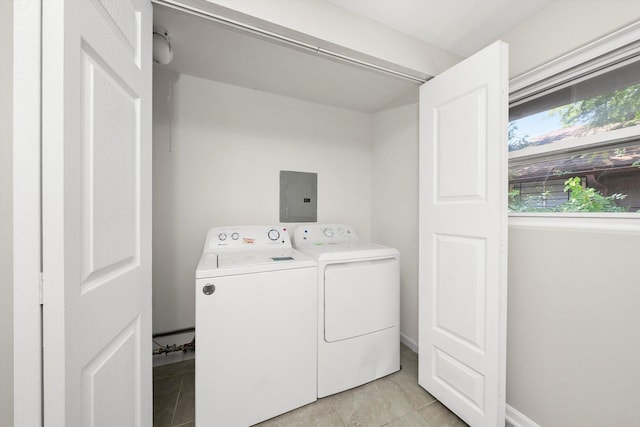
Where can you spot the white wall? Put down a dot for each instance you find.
(574, 335)
(394, 203)
(562, 27)
(221, 167)
(6, 211)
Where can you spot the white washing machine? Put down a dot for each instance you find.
(358, 306)
(256, 326)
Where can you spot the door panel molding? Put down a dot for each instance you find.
(96, 204)
(463, 237)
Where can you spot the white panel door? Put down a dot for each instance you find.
(97, 212)
(463, 236)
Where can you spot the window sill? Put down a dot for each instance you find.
(578, 221)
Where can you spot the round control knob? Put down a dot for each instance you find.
(328, 232)
(222, 236)
(235, 236)
(273, 234)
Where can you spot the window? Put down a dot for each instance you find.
(574, 139)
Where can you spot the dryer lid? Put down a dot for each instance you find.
(348, 250)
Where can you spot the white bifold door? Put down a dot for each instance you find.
(463, 236)
(96, 136)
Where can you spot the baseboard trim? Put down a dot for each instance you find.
(516, 418)
(409, 342)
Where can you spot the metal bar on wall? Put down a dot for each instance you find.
(177, 5)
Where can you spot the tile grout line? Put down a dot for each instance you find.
(175, 407)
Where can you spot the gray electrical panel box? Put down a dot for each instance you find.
(298, 196)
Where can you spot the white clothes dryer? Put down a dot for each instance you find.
(358, 306)
(256, 326)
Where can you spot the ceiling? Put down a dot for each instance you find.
(459, 26)
(213, 51)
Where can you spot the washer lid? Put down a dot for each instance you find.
(251, 261)
(245, 258)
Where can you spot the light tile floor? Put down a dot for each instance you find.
(395, 401)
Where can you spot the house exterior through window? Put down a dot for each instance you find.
(574, 140)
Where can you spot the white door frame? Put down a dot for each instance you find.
(26, 398)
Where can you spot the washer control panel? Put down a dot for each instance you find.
(247, 236)
(322, 234)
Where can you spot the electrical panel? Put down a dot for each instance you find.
(298, 196)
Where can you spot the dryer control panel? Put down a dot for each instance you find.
(247, 236)
(323, 234)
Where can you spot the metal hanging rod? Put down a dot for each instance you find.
(177, 5)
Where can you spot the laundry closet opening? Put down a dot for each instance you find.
(230, 111)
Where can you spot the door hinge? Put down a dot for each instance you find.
(41, 288)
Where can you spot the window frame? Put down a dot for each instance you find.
(584, 63)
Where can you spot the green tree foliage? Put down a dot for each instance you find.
(581, 199)
(587, 199)
(616, 109)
